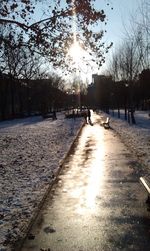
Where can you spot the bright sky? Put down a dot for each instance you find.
(118, 19)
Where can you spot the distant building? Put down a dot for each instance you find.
(99, 91)
(101, 79)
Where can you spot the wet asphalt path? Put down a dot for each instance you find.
(97, 203)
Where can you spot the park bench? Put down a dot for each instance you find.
(106, 123)
(49, 115)
(146, 185)
(74, 114)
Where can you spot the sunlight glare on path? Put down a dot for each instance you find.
(94, 167)
(96, 177)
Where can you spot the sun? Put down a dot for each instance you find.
(80, 61)
(76, 52)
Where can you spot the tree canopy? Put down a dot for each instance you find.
(47, 27)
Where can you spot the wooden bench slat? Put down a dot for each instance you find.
(146, 186)
(106, 123)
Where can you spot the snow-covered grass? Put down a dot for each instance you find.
(30, 153)
(136, 137)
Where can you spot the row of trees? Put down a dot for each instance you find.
(24, 97)
(27, 46)
(105, 93)
(130, 62)
(133, 54)
(35, 34)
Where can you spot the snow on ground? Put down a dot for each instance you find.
(136, 137)
(30, 153)
(31, 150)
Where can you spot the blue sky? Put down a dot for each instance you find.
(118, 17)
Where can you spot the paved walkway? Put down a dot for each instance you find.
(98, 203)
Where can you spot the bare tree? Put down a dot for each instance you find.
(144, 31)
(139, 30)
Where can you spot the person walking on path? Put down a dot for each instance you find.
(89, 116)
(85, 116)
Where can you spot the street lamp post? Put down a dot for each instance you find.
(129, 102)
(73, 98)
(126, 102)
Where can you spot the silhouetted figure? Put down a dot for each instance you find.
(89, 116)
(54, 115)
(85, 116)
(73, 114)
